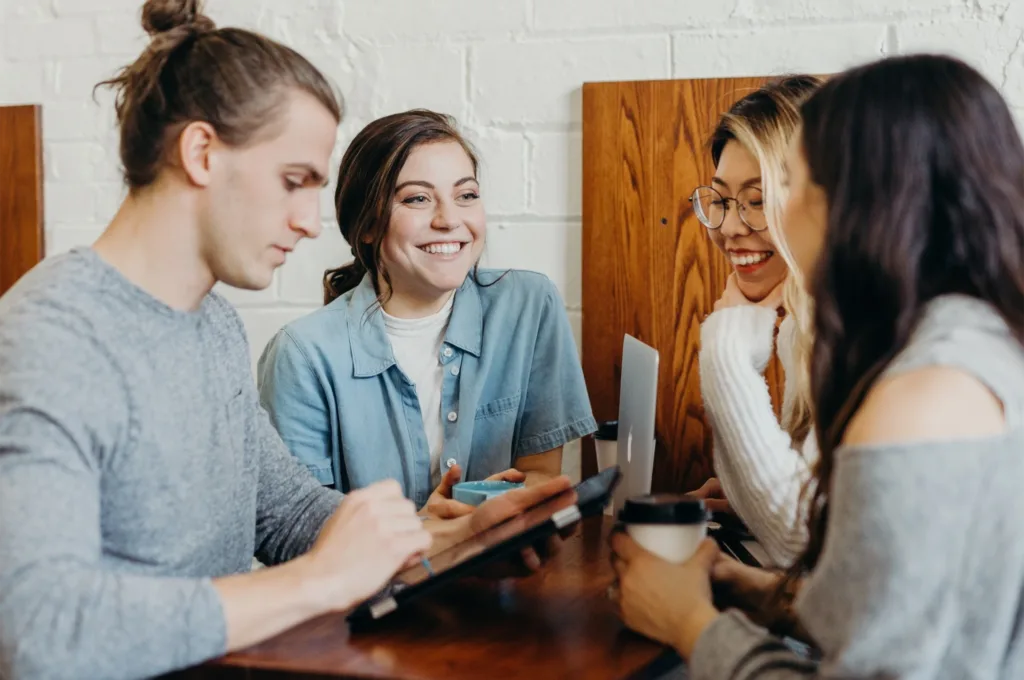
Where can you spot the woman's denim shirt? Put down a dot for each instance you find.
(513, 386)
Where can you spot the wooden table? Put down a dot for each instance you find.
(557, 623)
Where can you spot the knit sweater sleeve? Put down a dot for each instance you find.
(760, 469)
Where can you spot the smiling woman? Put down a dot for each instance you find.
(732, 209)
(761, 463)
(422, 367)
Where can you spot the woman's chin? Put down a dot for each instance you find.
(759, 284)
(446, 282)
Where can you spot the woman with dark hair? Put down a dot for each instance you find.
(906, 218)
(422, 367)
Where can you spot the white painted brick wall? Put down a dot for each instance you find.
(503, 162)
(530, 81)
(427, 75)
(35, 40)
(821, 49)
(510, 70)
(556, 173)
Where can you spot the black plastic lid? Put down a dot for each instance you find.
(664, 509)
(609, 429)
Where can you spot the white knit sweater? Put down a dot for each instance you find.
(760, 470)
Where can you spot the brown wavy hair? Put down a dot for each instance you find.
(366, 184)
(233, 79)
(923, 170)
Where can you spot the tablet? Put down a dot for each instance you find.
(735, 539)
(463, 559)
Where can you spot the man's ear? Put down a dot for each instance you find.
(196, 145)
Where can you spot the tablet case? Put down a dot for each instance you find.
(592, 496)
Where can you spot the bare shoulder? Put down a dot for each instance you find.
(932, 403)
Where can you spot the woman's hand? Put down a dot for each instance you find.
(507, 506)
(441, 505)
(741, 585)
(713, 496)
(667, 602)
(756, 592)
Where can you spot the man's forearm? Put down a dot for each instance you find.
(266, 602)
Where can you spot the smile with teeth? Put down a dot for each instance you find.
(449, 248)
(747, 259)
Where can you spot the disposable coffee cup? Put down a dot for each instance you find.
(669, 525)
(606, 444)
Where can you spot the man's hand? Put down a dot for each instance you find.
(372, 534)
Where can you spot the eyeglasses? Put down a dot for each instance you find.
(711, 207)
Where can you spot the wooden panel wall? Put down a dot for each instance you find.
(21, 192)
(649, 268)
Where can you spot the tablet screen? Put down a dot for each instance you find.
(590, 491)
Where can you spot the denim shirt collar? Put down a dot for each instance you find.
(368, 339)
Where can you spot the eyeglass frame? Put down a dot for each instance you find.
(725, 213)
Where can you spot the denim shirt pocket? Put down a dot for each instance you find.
(498, 407)
(493, 431)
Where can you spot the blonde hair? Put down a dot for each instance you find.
(764, 122)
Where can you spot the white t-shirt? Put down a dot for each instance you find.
(417, 347)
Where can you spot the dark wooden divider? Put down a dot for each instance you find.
(21, 192)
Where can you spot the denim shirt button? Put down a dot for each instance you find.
(447, 352)
(455, 370)
(452, 416)
(450, 463)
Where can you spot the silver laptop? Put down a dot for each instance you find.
(638, 398)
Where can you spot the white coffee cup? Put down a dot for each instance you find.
(669, 525)
(606, 444)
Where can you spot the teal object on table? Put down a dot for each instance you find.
(475, 493)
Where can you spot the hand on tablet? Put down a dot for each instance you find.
(512, 503)
(495, 511)
(441, 505)
(372, 534)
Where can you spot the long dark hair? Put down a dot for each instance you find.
(366, 184)
(923, 170)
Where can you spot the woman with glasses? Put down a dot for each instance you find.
(761, 465)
